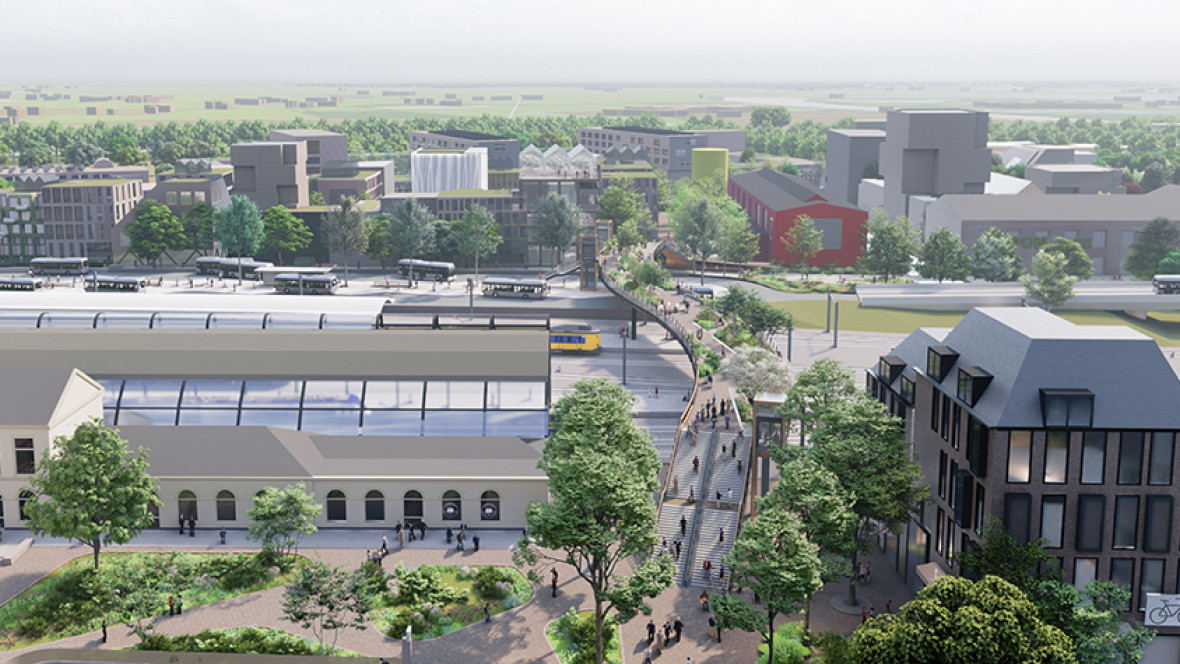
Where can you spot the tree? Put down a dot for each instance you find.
(1077, 263)
(1154, 176)
(283, 231)
(412, 231)
(1157, 239)
(994, 257)
(891, 245)
(1170, 264)
(1049, 283)
(602, 473)
(154, 231)
(380, 246)
(752, 370)
(773, 116)
(325, 599)
(83, 153)
(33, 155)
(127, 155)
(198, 227)
(93, 488)
(774, 558)
(315, 198)
(748, 155)
(649, 274)
(628, 235)
(347, 229)
(281, 517)
(697, 227)
(737, 243)
(803, 239)
(790, 168)
(956, 620)
(816, 390)
(944, 256)
(239, 229)
(477, 233)
(1000, 554)
(558, 222)
(619, 204)
(859, 441)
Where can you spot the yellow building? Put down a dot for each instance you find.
(707, 162)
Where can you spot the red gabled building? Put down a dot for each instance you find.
(774, 200)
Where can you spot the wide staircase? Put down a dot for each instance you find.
(725, 474)
(708, 544)
(669, 531)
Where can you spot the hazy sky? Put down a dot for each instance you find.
(488, 41)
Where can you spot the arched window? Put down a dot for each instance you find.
(25, 496)
(187, 501)
(337, 509)
(412, 505)
(489, 506)
(452, 506)
(374, 506)
(226, 510)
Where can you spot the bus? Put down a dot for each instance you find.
(21, 283)
(523, 288)
(437, 271)
(97, 282)
(307, 284)
(578, 338)
(229, 268)
(1166, 284)
(211, 265)
(59, 266)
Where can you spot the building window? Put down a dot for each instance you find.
(1093, 457)
(26, 456)
(1091, 511)
(907, 390)
(1157, 524)
(489, 506)
(1019, 456)
(374, 506)
(939, 360)
(1017, 509)
(1131, 457)
(1056, 457)
(1122, 572)
(22, 499)
(973, 381)
(934, 402)
(412, 505)
(337, 506)
(1098, 240)
(955, 426)
(1052, 520)
(1152, 580)
(187, 504)
(977, 445)
(452, 506)
(980, 504)
(1085, 570)
(1126, 522)
(1159, 466)
(1127, 238)
(941, 474)
(938, 531)
(1067, 408)
(946, 417)
(226, 508)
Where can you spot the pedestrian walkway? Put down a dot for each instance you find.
(709, 546)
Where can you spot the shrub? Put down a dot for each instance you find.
(423, 585)
(836, 648)
(248, 640)
(512, 601)
(76, 599)
(492, 583)
(578, 629)
(787, 648)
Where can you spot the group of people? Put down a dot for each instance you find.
(674, 548)
(716, 580)
(400, 532)
(460, 537)
(660, 638)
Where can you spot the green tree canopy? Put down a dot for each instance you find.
(93, 488)
(751, 370)
(890, 245)
(697, 227)
(649, 274)
(602, 473)
(1170, 264)
(239, 228)
(83, 153)
(33, 155)
(326, 599)
(817, 389)
(803, 240)
(738, 243)
(154, 231)
(1049, 283)
(283, 231)
(281, 517)
(198, 227)
(1077, 263)
(1156, 240)
(944, 256)
(477, 234)
(773, 116)
(620, 203)
(558, 222)
(412, 230)
(994, 257)
(347, 230)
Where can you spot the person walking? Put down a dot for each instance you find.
(678, 544)
(192, 527)
(707, 566)
(487, 613)
(696, 464)
(422, 529)
(459, 540)
(647, 655)
(721, 536)
(104, 631)
(179, 605)
(222, 534)
(713, 628)
(733, 449)
(683, 525)
(723, 450)
(384, 546)
(171, 606)
(864, 615)
(676, 486)
(727, 423)
(182, 525)
(475, 541)
(553, 582)
(651, 631)
(889, 606)
(691, 496)
(401, 535)
(739, 464)
(678, 627)
(868, 572)
(729, 497)
(667, 633)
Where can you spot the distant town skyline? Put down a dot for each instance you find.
(542, 41)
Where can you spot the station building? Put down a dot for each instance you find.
(444, 426)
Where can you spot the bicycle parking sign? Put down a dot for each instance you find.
(1162, 610)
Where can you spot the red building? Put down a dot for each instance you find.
(774, 200)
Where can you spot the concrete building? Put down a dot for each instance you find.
(852, 155)
(271, 172)
(503, 153)
(445, 169)
(322, 146)
(508, 208)
(88, 217)
(932, 153)
(774, 200)
(32, 179)
(1014, 153)
(181, 194)
(22, 228)
(1061, 431)
(669, 150)
(733, 140)
(641, 176)
(1076, 179)
(1104, 225)
(353, 178)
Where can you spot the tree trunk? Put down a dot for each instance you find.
(477, 266)
(97, 544)
(770, 640)
(806, 635)
(852, 579)
(346, 269)
(598, 620)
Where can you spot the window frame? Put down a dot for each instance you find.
(1028, 463)
(1121, 503)
(1086, 439)
(332, 501)
(1055, 435)
(1171, 458)
(1059, 499)
(1124, 438)
(29, 453)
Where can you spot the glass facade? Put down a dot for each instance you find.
(335, 407)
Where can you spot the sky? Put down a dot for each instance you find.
(564, 41)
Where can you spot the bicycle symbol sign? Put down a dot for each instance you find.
(1162, 610)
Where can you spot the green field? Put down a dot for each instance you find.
(1164, 327)
(819, 103)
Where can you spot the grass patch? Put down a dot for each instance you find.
(791, 286)
(242, 640)
(572, 639)
(439, 599)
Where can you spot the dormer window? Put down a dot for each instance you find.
(889, 368)
(1067, 408)
(972, 382)
(939, 360)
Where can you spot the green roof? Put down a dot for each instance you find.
(625, 167)
(187, 180)
(91, 183)
(362, 175)
(506, 170)
(633, 176)
(443, 150)
(476, 193)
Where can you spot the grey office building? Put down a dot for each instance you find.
(271, 172)
(1076, 179)
(852, 154)
(931, 153)
(322, 146)
(503, 153)
(667, 149)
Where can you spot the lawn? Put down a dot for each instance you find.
(1164, 327)
(439, 599)
(75, 599)
(572, 639)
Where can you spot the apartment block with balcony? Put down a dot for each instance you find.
(22, 229)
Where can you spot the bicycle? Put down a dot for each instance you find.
(1161, 614)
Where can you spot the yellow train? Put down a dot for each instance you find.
(578, 338)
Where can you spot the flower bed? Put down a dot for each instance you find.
(242, 640)
(439, 599)
(572, 638)
(75, 598)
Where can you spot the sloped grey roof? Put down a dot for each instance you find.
(29, 397)
(1073, 207)
(780, 191)
(1027, 349)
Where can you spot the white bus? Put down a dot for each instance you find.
(21, 283)
(211, 265)
(438, 271)
(306, 284)
(96, 282)
(59, 266)
(1166, 284)
(525, 289)
(229, 268)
